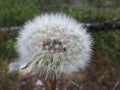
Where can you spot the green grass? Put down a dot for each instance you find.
(108, 43)
(7, 45)
(16, 13)
(8, 81)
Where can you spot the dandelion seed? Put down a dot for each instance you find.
(54, 45)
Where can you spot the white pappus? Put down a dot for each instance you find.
(54, 45)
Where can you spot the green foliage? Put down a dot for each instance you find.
(16, 12)
(109, 44)
(49, 5)
(100, 3)
(87, 14)
(7, 44)
(8, 81)
(10, 45)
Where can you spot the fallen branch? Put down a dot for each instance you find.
(116, 85)
(102, 77)
(107, 25)
(10, 28)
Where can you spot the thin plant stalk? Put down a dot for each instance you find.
(53, 84)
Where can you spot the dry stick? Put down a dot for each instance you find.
(107, 25)
(98, 26)
(74, 83)
(102, 77)
(116, 85)
(78, 87)
(10, 28)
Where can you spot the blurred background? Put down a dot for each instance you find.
(104, 71)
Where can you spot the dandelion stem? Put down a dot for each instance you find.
(53, 84)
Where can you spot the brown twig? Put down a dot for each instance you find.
(116, 85)
(102, 77)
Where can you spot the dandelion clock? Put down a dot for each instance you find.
(53, 45)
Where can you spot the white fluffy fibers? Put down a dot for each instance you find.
(54, 45)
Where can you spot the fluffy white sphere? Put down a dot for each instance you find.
(54, 45)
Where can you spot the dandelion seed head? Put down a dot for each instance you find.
(54, 45)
